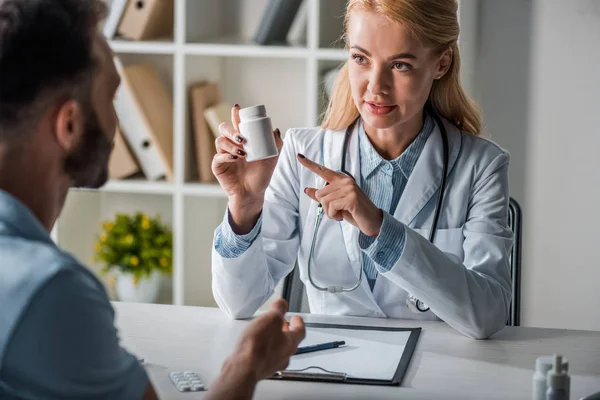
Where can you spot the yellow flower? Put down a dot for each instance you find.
(103, 237)
(129, 239)
(164, 262)
(108, 226)
(98, 247)
(146, 223)
(134, 261)
(136, 281)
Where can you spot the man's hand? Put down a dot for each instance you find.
(264, 348)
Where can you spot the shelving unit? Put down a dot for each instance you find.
(212, 42)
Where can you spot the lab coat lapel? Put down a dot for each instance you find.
(424, 182)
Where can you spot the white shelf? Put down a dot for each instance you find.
(332, 54)
(124, 46)
(204, 190)
(244, 50)
(141, 186)
(212, 190)
(134, 186)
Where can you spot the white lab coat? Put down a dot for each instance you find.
(464, 278)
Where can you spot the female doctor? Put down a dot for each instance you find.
(394, 207)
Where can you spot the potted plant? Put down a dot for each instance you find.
(138, 249)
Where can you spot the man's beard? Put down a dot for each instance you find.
(87, 165)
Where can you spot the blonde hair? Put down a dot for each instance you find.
(435, 24)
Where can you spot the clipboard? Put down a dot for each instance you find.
(318, 374)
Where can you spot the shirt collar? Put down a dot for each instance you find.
(16, 219)
(370, 160)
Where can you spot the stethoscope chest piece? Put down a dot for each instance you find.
(415, 305)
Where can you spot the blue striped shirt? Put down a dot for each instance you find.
(383, 182)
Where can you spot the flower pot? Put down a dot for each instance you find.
(145, 290)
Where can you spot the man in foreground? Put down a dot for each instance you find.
(57, 124)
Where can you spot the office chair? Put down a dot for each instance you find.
(295, 294)
(515, 224)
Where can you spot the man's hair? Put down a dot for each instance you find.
(45, 55)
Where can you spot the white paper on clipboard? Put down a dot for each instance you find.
(367, 354)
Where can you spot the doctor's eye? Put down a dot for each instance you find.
(360, 60)
(402, 67)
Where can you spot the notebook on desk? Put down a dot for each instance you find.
(371, 355)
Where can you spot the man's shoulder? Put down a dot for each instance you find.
(27, 265)
(79, 349)
(29, 268)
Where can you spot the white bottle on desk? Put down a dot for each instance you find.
(557, 382)
(543, 365)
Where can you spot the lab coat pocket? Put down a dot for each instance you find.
(448, 240)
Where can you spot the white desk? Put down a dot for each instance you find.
(445, 364)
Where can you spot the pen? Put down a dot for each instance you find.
(318, 347)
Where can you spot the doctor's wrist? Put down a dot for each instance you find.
(375, 223)
(243, 216)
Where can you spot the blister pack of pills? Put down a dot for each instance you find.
(187, 381)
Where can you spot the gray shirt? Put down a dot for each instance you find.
(57, 333)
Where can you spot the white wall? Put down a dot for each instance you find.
(538, 81)
(563, 167)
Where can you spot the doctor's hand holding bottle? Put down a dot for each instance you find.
(245, 183)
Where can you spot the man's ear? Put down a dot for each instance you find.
(444, 63)
(69, 124)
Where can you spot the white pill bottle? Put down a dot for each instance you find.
(257, 129)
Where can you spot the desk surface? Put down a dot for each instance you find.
(445, 365)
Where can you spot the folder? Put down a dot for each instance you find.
(148, 19)
(371, 356)
(298, 30)
(204, 95)
(117, 8)
(122, 163)
(145, 111)
(216, 115)
(276, 21)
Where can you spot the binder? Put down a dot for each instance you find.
(122, 163)
(111, 24)
(148, 19)
(145, 112)
(204, 95)
(316, 373)
(276, 21)
(298, 30)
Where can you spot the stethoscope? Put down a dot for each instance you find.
(413, 303)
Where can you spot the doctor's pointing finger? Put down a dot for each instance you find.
(342, 199)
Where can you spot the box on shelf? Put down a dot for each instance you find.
(217, 114)
(203, 95)
(148, 20)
